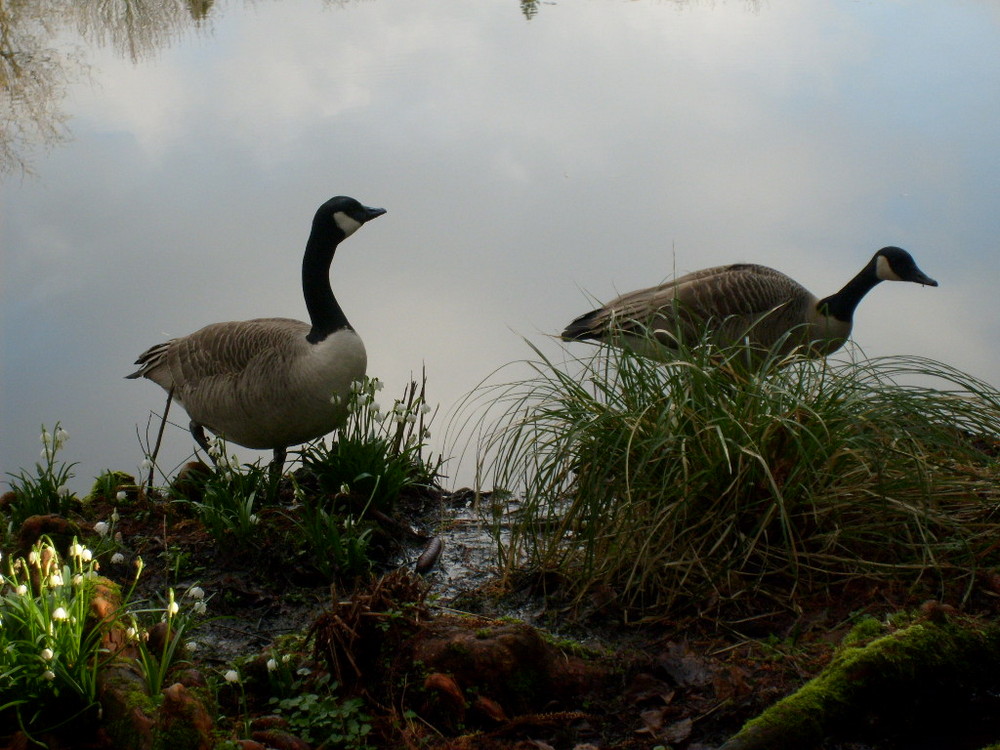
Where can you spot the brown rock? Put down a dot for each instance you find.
(444, 696)
(280, 740)
(126, 706)
(272, 721)
(190, 480)
(508, 662)
(184, 722)
(60, 530)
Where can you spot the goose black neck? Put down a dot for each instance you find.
(843, 304)
(325, 312)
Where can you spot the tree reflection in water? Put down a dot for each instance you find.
(36, 67)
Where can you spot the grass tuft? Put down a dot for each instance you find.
(724, 473)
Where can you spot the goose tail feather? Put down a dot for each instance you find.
(582, 328)
(149, 360)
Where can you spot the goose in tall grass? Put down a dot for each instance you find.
(270, 383)
(741, 302)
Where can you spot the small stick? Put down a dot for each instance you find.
(159, 437)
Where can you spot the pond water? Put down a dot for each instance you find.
(532, 156)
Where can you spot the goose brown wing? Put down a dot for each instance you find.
(217, 351)
(739, 294)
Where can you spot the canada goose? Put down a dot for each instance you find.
(272, 382)
(741, 301)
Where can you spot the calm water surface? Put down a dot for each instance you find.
(531, 156)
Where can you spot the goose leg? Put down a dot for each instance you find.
(278, 463)
(198, 433)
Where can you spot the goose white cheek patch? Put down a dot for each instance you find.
(884, 271)
(347, 225)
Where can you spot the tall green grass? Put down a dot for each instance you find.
(726, 473)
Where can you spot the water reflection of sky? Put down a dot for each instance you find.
(524, 163)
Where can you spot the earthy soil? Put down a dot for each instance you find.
(458, 658)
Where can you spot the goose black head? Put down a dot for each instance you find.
(346, 214)
(895, 264)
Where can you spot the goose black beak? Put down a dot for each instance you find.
(372, 213)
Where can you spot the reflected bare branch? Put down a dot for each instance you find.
(135, 28)
(35, 68)
(32, 82)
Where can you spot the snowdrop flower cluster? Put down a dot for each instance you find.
(366, 416)
(197, 593)
(51, 443)
(227, 463)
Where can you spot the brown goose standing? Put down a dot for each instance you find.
(741, 301)
(270, 383)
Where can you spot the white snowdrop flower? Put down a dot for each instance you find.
(425, 435)
(22, 590)
(357, 386)
(60, 614)
(49, 675)
(131, 633)
(271, 665)
(335, 399)
(78, 580)
(345, 488)
(232, 676)
(146, 465)
(377, 384)
(76, 550)
(200, 608)
(425, 409)
(121, 495)
(46, 438)
(117, 558)
(254, 520)
(86, 555)
(61, 436)
(286, 658)
(47, 654)
(56, 580)
(191, 646)
(33, 557)
(196, 592)
(410, 418)
(173, 608)
(102, 528)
